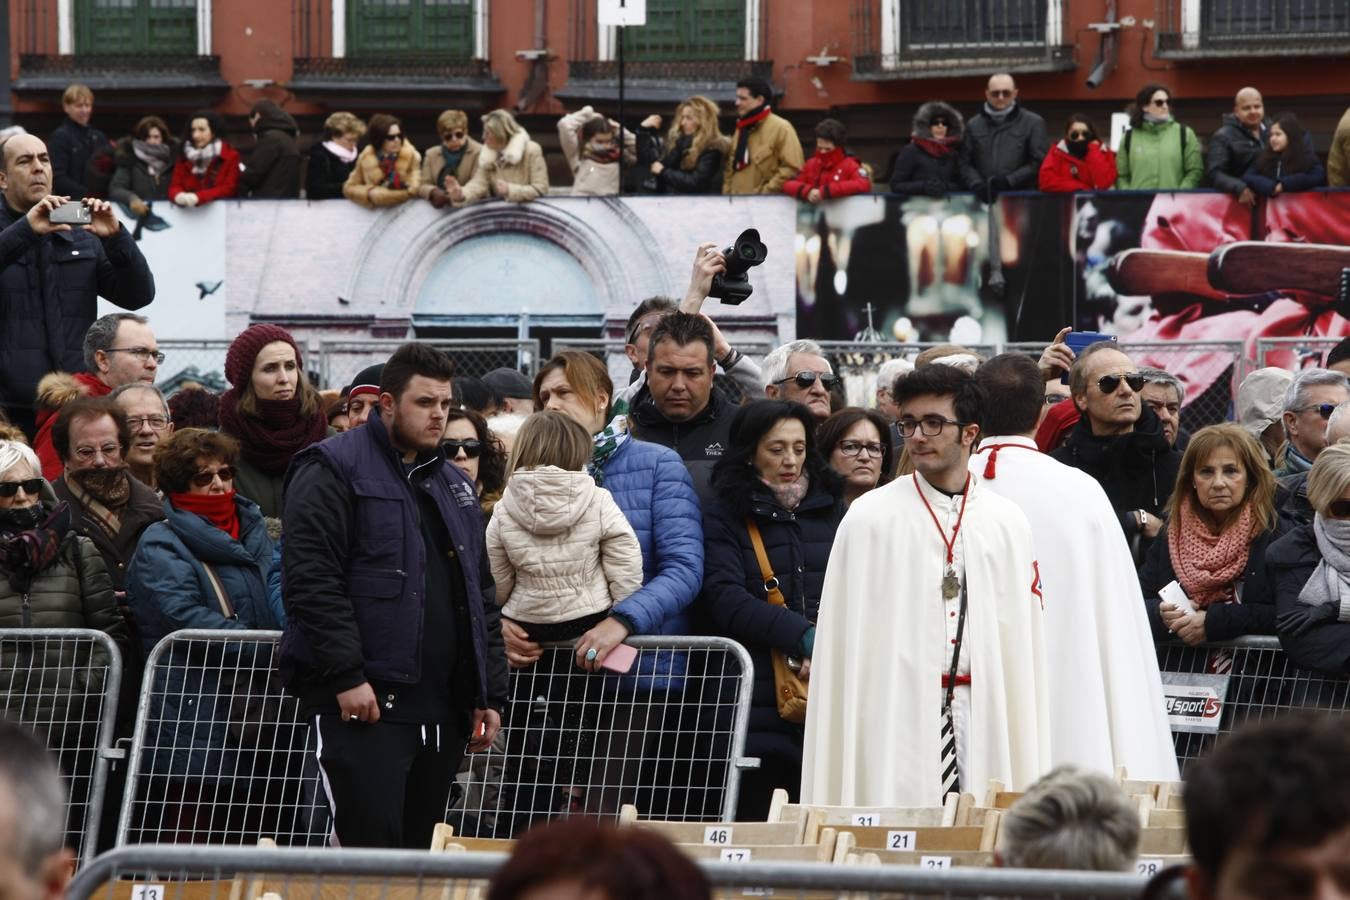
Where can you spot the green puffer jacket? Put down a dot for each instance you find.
(1151, 158)
(47, 682)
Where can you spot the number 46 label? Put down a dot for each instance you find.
(717, 834)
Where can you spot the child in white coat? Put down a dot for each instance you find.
(561, 551)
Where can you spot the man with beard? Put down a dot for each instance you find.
(111, 508)
(393, 640)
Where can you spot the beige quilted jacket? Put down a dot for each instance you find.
(560, 548)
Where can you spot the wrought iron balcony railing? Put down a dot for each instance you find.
(1203, 29)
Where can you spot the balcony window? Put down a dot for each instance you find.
(160, 27)
(689, 29)
(401, 28)
(1215, 28)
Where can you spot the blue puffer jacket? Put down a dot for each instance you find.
(736, 605)
(168, 589)
(651, 484)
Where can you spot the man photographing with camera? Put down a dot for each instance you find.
(54, 266)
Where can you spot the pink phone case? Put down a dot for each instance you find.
(620, 659)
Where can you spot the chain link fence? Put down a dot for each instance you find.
(1294, 353)
(202, 362)
(341, 360)
(220, 754)
(63, 683)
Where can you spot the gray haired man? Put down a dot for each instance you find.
(1308, 403)
(1163, 393)
(34, 861)
(798, 371)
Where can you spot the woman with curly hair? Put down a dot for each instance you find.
(689, 158)
(470, 445)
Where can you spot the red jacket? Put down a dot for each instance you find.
(836, 174)
(54, 392)
(1063, 172)
(221, 179)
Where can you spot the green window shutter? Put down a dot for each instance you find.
(689, 29)
(401, 28)
(150, 27)
(973, 22)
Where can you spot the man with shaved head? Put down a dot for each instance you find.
(1004, 143)
(1233, 147)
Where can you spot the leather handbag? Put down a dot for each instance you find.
(789, 689)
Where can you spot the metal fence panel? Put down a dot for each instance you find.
(178, 873)
(340, 360)
(1294, 353)
(219, 754)
(199, 361)
(63, 683)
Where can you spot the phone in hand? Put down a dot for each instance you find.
(73, 213)
(620, 659)
(1078, 341)
(1174, 594)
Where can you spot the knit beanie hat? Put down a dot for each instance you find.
(244, 351)
(367, 381)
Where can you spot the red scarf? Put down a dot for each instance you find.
(1207, 564)
(218, 509)
(935, 147)
(743, 128)
(389, 167)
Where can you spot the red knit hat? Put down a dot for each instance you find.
(244, 351)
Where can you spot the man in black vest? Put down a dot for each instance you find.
(393, 640)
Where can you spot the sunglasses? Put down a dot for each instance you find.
(1161, 102)
(393, 137)
(29, 485)
(204, 479)
(1052, 399)
(471, 448)
(804, 380)
(1339, 509)
(454, 135)
(943, 122)
(1107, 384)
(1000, 93)
(1079, 135)
(1323, 409)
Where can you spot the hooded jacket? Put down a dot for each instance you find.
(55, 390)
(273, 169)
(1065, 173)
(834, 174)
(520, 164)
(1159, 156)
(365, 185)
(917, 170)
(1012, 150)
(1230, 152)
(560, 548)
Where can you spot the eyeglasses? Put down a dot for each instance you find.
(1159, 102)
(1107, 384)
(1052, 399)
(804, 380)
(471, 448)
(29, 485)
(156, 423)
(855, 448)
(1000, 93)
(89, 454)
(1339, 509)
(1323, 409)
(205, 479)
(1079, 135)
(142, 353)
(931, 426)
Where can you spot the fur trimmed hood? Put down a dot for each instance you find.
(56, 389)
(933, 109)
(511, 156)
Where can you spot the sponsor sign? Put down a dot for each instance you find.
(1194, 703)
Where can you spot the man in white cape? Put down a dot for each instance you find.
(876, 726)
(1104, 683)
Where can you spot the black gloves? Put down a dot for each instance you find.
(1303, 618)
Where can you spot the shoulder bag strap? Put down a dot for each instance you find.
(765, 570)
(217, 588)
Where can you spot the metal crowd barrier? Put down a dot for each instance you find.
(1294, 353)
(63, 683)
(180, 873)
(340, 360)
(220, 756)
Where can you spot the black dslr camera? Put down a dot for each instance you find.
(732, 287)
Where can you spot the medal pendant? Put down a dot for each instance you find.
(951, 586)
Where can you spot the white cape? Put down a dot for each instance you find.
(872, 725)
(1104, 683)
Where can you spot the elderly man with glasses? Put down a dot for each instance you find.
(1005, 143)
(1120, 441)
(1308, 403)
(798, 371)
(149, 423)
(119, 348)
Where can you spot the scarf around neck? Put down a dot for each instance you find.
(389, 167)
(934, 147)
(1156, 120)
(607, 443)
(33, 541)
(157, 157)
(346, 154)
(269, 439)
(999, 115)
(1207, 564)
(103, 493)
(744, 126)
(218, 509)
(1330, 581)
(201, 157)
(789, 496)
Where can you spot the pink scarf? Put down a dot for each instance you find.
(1207, 564)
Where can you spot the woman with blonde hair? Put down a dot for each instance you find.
(1220, 521)
(689, 159)
(331, 162)
(1310, 567)
(510, 166)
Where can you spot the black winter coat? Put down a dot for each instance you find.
(701, 441)
(1290, 562)
(704, 178)
(1013, 151)
(734, 602)
(1137, 470)
(70, 147)
(133, 180)
(326, 174)
(1230, 152)
(1223, 621)
(917, 172)
(273, 168)
(49, 290)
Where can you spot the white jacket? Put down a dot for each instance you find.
(560, 547)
